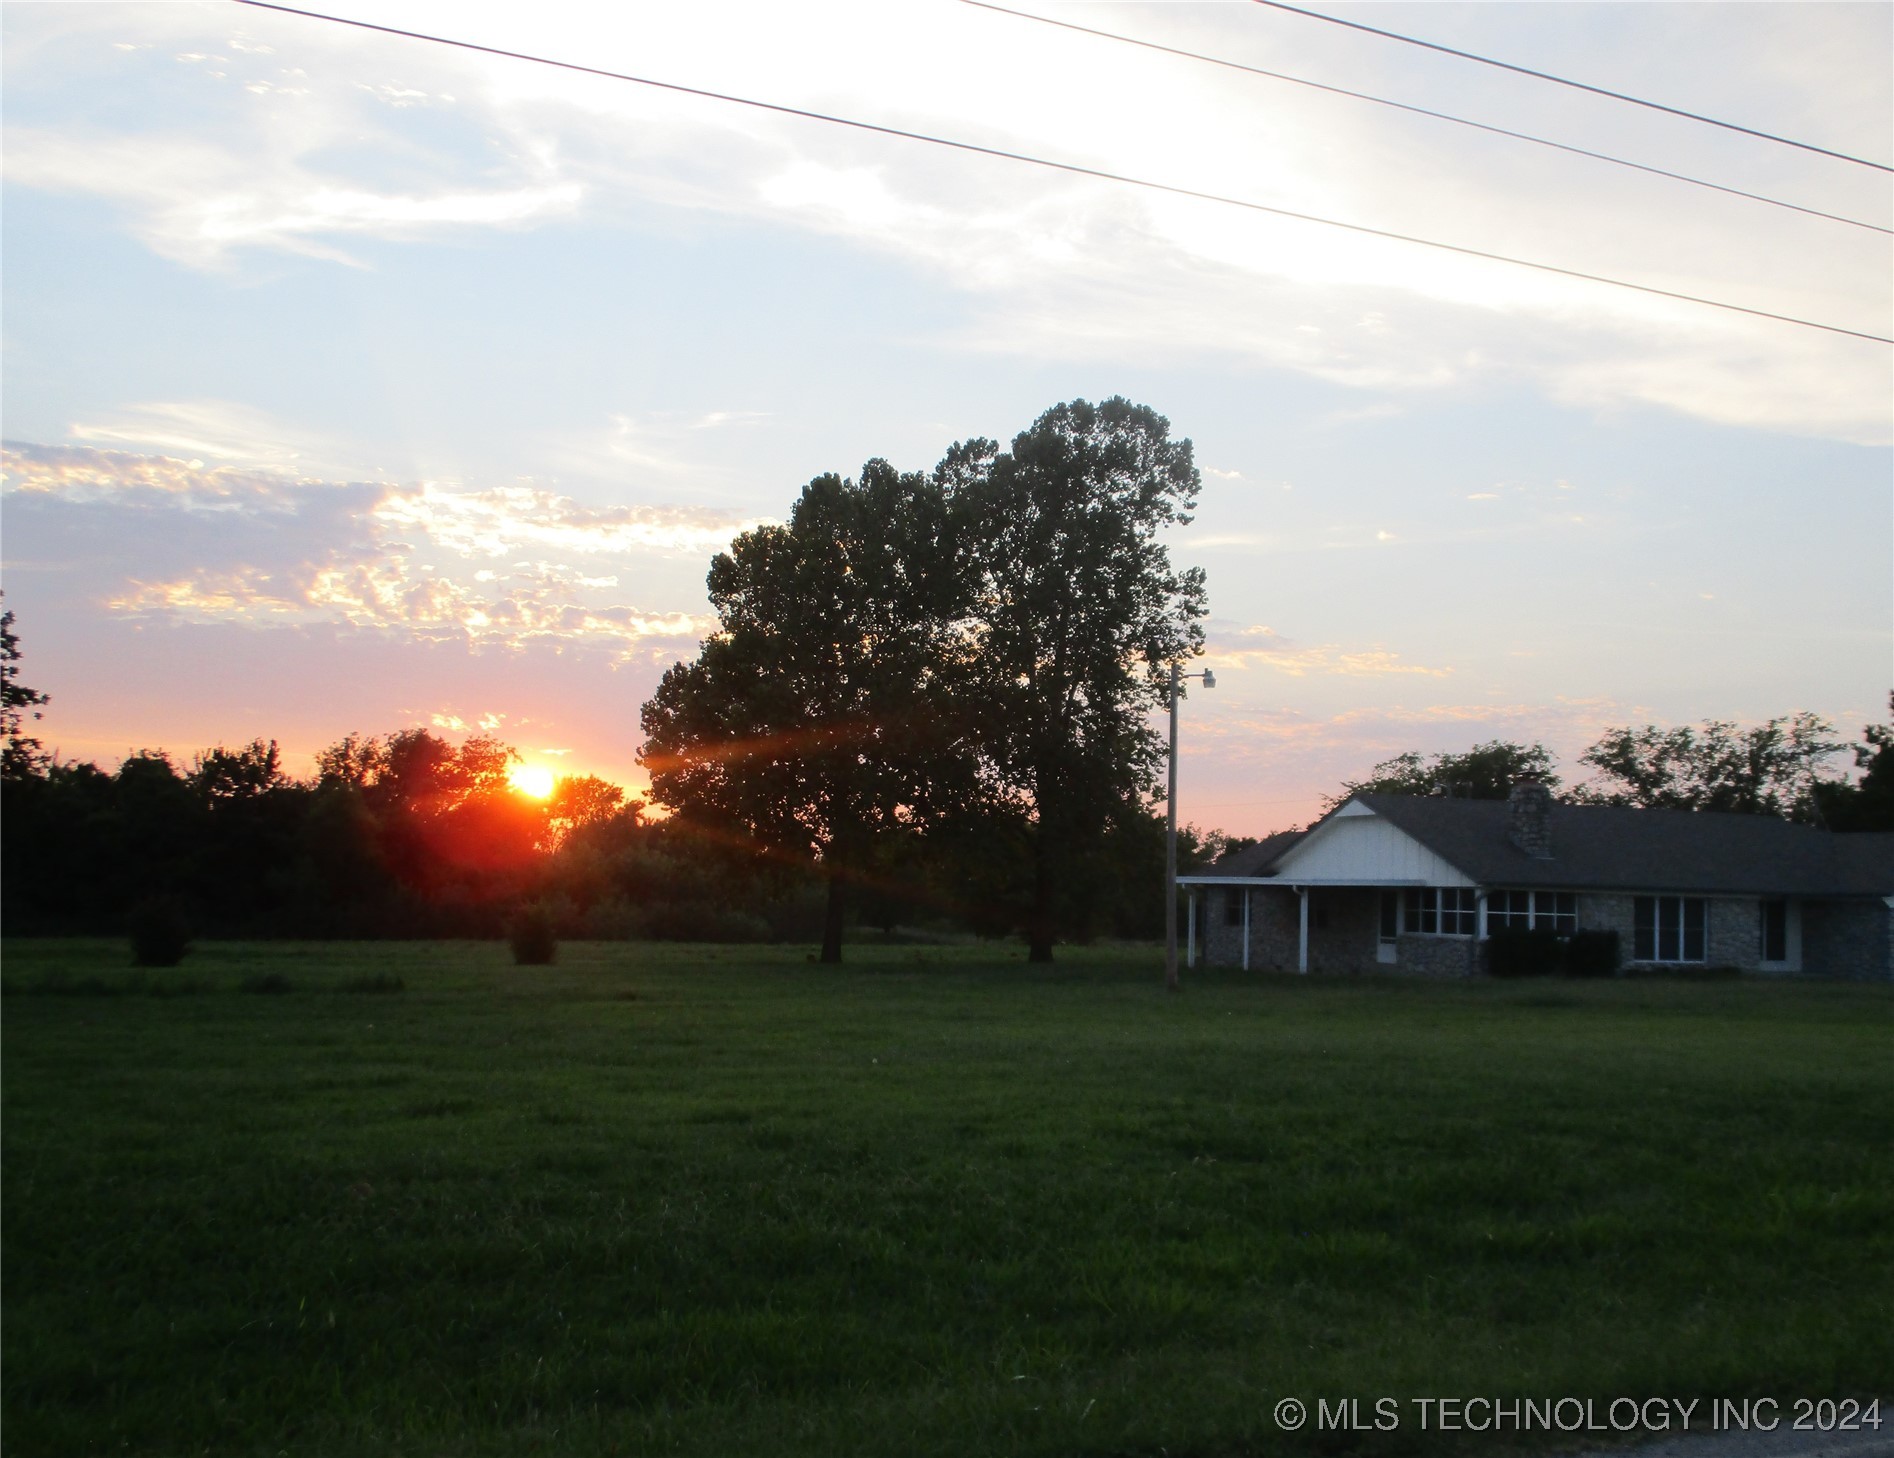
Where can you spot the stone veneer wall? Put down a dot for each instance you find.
(1217, 944)
(1345, 944)
(1853, 939)
(1423, 956)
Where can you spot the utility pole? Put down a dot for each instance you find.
(1170, 832)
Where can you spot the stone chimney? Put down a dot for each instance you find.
(1531, 828)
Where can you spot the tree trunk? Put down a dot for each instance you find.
(832, 920)
(1040, 920)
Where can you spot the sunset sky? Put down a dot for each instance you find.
(354, 382)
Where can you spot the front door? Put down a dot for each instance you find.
(1389, 939)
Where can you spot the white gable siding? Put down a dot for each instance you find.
(1358, 848)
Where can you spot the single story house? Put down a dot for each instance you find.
(1399, 883)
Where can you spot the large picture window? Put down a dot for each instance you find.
(1442, 911)
(1553, 911)
(1668, 929)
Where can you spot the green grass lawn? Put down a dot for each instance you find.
(723, 1201)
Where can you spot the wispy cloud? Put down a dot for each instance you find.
(216, 430)
(308, 157)
(1264, 647)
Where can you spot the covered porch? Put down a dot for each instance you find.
(1272, 924)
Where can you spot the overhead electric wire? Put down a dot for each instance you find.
(1575, 85)
(1425, 111)
(1069, 167)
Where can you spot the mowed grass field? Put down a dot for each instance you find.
(722, 1201)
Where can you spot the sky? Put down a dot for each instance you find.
(354, 382)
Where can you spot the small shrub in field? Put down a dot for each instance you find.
(1592, 954)
(159, 933)
(372, 982)
(267, 982)
(532, 936)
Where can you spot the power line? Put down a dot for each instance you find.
(1424, 111)
(1575, 85)
(1069, 167)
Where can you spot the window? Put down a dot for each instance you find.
(1390, 916)
(1775, 931)
(1233, 907)
(1553, 911)
(1443, 911)
(1668, 929)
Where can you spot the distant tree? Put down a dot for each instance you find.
(1198, 850)
(580, 802)
(1771, 769)
(245, 838)
(1868, 803)
(444, 814)
(1075, 614)
(22, 756)
(1485, 772)
(238, 774)
(813, 723)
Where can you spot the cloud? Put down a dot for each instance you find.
(387, 594)
(1264, 647)
(219, 430)
(510, 519)
(81, 473)
(414, 143)
(421, 561)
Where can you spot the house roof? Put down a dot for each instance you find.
(1253, 859)
(1609, 847)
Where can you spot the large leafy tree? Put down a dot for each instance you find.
(813, 724)
(1485, 772)
(1770, 769)
(1074, 614)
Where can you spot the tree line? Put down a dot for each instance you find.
(927, 701)
(1781, 768)
(930, 696)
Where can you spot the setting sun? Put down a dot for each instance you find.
(531, 779)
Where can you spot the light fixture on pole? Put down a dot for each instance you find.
(1170, 834)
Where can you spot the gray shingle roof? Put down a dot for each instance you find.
(1608, 847)
(1252, 858)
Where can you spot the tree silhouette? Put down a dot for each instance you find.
(1772, 769)
(1074, 615)
(813, 723)
(22, 756)
(1485, 772)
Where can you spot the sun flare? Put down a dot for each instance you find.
(534, 780)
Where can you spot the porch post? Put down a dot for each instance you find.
(1481, 897)
(1246, 928)
(1190, 923)
(1302, 930)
